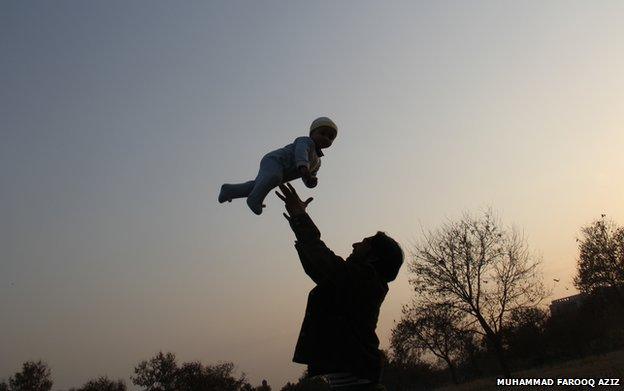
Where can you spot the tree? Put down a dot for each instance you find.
(196, 377)
(103, 383)
(35, 376)
(4, 386)
(601, 257)
(306, 383)
(162, 373)
(480, 268)
(524, 334)
(264, 386)
(412, 375)
(433, 328)
(157, 374)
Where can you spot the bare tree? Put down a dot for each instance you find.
(601, 258)
(433, 328)
(479, 267)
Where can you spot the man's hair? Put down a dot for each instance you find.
(390, 255)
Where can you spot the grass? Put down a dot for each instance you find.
(609, 365)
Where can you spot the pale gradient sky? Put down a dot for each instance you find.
(120, 120)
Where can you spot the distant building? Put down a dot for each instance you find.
(567, 304)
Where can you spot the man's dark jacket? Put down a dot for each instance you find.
(338, 331)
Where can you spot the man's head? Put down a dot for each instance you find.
(323, 131)
(381, 251)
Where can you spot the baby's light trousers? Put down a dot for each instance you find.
(269, 176)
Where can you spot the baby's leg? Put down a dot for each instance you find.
(269, 177)
(237, 190)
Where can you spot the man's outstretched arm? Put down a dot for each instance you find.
(318, 261)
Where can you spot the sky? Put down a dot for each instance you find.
(121, 120)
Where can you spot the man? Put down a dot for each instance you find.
(337, 338)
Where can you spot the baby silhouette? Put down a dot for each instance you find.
(301, 159)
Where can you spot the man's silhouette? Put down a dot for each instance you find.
(337, 337)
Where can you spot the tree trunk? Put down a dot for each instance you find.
(451, 368)
(500, 355)
(472, 359)
(496, 343)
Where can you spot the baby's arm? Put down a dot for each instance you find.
(312, 181)
(303, 145)
(308, 178)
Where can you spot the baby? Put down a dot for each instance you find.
(301, 159)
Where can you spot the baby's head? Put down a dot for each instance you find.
(323, 131)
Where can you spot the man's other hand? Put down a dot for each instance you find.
(292, 202)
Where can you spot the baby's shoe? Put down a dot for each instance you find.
(255, 207)
(224, 194)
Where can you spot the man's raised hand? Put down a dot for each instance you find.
(294, 205)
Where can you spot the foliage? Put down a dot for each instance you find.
(162, 373)
(524, 334)
(412, 375)
(601, 256)
(433, 328)
(157, 374)
(306, 383)
(263, 387)
(35, 376)
(194, 376)
(102, 383)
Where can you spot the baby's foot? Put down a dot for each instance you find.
(224, 194)
(257, 209)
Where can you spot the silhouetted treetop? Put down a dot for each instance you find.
(162, 373)
(35, 376)
(102, 383)
(601, 256)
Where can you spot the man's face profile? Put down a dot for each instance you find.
(361, 250)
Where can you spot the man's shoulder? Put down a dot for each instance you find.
(303, 139)
(364, 275)
(299, 140)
